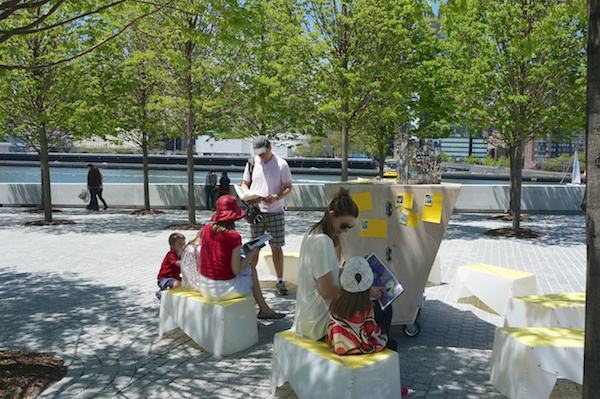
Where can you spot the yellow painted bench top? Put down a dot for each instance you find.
(285, 254)
(323, 349)
(497, 270)
(555, 300)
(539, 336)
(195, 295)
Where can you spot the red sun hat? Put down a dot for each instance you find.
(228, 210)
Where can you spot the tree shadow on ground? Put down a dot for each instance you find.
(108, 338)
(565, 230)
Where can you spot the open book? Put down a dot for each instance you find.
(257, 242)
(246, 195)
(383, 277)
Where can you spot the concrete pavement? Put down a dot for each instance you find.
(85, 293)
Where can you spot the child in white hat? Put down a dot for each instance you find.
(352, 329)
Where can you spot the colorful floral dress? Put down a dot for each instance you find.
(356, 335)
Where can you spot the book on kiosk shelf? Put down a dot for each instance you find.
(246, 195)
(383, 277)
(257, 242)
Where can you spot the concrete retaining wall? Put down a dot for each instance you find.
(472, 198)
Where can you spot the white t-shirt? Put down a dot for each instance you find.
(317, 258)
(268, 178)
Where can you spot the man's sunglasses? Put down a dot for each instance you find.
(346, 226)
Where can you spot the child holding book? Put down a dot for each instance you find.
(352, 329)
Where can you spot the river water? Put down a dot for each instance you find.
(31, 174)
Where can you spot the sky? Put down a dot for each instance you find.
(435, 4)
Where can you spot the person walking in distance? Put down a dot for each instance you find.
(210, 189)
(271, 179)
(94, 183)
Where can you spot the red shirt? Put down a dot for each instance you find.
(215, 253)
(168, 267)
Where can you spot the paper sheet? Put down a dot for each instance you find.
(376, 228)
(432, 208)
(363, 201)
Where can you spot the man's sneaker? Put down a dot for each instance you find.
(281, 290)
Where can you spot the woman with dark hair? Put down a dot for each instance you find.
(319, 270)
(224, 273)
(95, 181)
(224, 183)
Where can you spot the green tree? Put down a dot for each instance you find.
(200, 47)
(359, 56)
(122, 89)
(36, 104)
(273, 89)
(21, 18)
(519, 68)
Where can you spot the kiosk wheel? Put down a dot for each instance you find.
(411, 330)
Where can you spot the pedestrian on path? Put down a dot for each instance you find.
(210, 189)
(95, 182)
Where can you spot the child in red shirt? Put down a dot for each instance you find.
(169, 274)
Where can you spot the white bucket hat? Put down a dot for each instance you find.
(357, 275)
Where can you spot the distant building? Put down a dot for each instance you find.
(539, 150)
(462, 146)
(206, 146)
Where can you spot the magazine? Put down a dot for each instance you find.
(257, 242)
(383, 277)
(246, 195)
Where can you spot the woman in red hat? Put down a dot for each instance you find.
(223, 273)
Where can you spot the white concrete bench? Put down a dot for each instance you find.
(290, 265)
(493, 285)
(526, 362)
(565, 310)
(222, 327)
(314, 371)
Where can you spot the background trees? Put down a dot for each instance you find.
(518, 68)
(360, 55)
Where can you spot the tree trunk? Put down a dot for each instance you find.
(45, 169)
(591, 363)
(381, 147)
(345, 152)
(145, 171)
(516, 155)
(190, 134)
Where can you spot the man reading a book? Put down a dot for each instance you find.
(271, 179)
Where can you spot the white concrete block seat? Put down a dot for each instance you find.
(314, 371)
(220, 327)
(526, 362)
(290, 265)
(566, 310)
(493, 285)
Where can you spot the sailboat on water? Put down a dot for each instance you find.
(576, 172)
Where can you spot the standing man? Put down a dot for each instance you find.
(270, 178)
(210, 189)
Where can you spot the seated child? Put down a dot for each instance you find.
(352, 329)
(190, 263)
(168, 276)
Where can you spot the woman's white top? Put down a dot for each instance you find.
(317, 258)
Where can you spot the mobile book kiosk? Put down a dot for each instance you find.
(404, 225)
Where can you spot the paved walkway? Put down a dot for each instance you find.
(85, 293)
